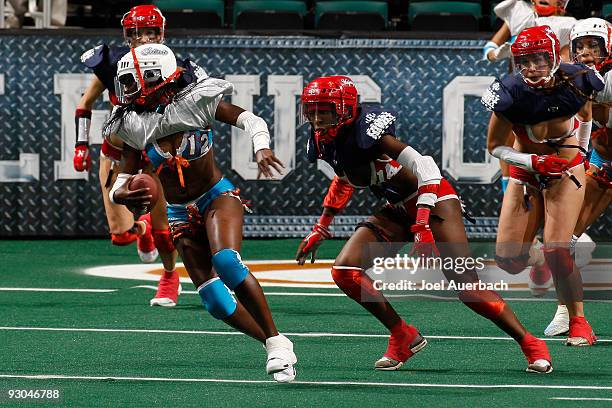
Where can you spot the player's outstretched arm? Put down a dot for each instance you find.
(82, 118)
(257, 129)
(338, 196)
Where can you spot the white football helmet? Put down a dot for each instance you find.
(600, 32)
(143, 70)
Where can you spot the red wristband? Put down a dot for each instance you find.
(422, 215)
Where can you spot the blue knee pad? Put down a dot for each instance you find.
(229, 267)
(217, 299)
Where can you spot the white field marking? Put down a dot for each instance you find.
(306, 294)
(339, 383)
(232, 333)
(580, 399)
(418, 295)
(291, 275)
(57, 290)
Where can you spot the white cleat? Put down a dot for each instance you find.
(285, 376)
(559, 326)
(281, 358)
(540, 366)
(148, 257)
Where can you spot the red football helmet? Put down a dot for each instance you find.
(329, 103)
(140, 18)
(535, 55)
(545, 10)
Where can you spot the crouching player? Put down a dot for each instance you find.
(360, 144)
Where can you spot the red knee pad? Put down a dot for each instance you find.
(163, 241)
(512, 265)
(126, 238)
(484, 302)
(559, 261)
(354, 282)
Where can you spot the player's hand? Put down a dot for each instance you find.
(424, 243)
(548, 164)
(266, 160)
(82, 159)
(136, 200)
(311, 243)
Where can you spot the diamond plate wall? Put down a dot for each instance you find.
(411, 73)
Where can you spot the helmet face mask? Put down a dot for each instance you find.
(535, 55)
(589, 50)
(590, 42)
(533, 67)
(328, 103)
(142, 25)
(143, 71)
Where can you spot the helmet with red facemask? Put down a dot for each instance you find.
(329, 103)
(535, 55)
(545, 10)
(143, 71)
(141, 18)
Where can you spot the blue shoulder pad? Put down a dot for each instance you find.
(497, 97)
(94, 57)
(372, 124)
(585, 78)
(595, 80)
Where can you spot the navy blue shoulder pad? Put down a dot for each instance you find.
(94, 57)
(498, 97)
(372, 124)
(585, 78)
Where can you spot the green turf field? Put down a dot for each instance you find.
(109, 348)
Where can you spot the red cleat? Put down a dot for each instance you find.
(404, 342)
(537, 355)
(145, 243)
(580, 333)
(168, 290)
(540, 280)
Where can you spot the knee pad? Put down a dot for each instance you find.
(229, 267)
(354, 282)
(126, 238)
(484, 302)
(217, 299)
(512, 265)
(163, 241)
(559, 261)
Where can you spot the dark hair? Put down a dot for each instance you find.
(158, 100)
(567, 79)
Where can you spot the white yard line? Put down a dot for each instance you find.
(232, 333)
(338, 383)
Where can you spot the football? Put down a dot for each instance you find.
(145, 181)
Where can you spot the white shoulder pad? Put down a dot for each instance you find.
(517, 14)
(605, 96)
(211, 88)
(198, 71)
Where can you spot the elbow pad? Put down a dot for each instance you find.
(256, 128)
(338, 195)
(426, 171)
(583, 133)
